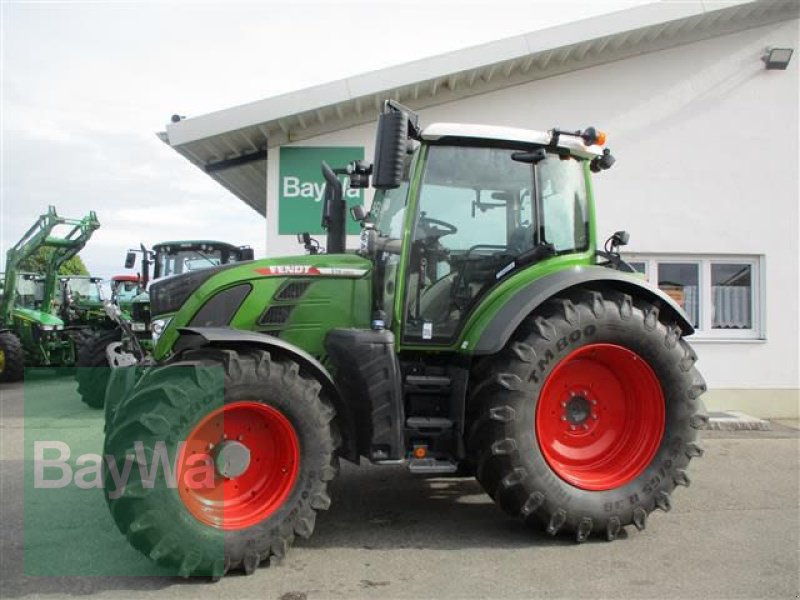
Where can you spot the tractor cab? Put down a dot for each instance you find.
(81, 290)
(174, 258)
(124, 288)
(29, 291)
(483, 211)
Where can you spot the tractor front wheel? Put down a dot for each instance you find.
(589, 417)
(93, 365)
(253, 443)
(12, 358)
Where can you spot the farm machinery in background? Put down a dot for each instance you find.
(129, 342)
(33, 331)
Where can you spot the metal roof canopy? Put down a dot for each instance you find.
(231, 145)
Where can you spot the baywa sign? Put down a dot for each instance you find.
(301, 186)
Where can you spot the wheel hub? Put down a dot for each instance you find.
(231, 459)
(578, 409)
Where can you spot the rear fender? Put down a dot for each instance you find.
(508, 318)
(197, 337)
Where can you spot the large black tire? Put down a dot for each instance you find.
(167, 405)
(121, 382)
(12, 364)
(511, 464)
(94, 370)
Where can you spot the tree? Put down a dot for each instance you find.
(37, 263)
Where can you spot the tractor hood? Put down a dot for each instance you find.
(298, 296)
(167, 295)
(39, 317)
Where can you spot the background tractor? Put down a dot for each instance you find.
(31, 331)
(477, 329)
(124, 288)
(80, 305)
(128, 342)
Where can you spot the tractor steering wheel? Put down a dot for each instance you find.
(426, 222)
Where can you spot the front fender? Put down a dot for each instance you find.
(496, 333)
(197, 337)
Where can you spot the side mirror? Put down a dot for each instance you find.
(246, 254)
(532, 157)
(602, 163)
(390, 150)
(358, 213)
(620, 238)
(130, 260)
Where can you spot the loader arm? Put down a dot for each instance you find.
(40, 236)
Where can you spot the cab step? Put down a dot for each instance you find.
(431, 466)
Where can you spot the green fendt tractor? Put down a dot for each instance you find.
(477, 330)
(128, 341)
(31, 332)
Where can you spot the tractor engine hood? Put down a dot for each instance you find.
(167, 295)
(39, 317)
(299, 298)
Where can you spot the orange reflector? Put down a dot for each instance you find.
(601, 138)
(420, 452)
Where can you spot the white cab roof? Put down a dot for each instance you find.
(575, 145)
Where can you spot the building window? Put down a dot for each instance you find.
(722, 296)
(732, 294)
(681, 281)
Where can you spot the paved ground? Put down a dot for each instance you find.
(733, 533)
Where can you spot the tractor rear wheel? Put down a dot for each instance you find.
(12, 358)
(590, 415)
(266, 432)
(94, 368)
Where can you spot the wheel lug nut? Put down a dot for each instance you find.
(594, 401)
(563, 418)
(563, 405)
(572, 427)
(585, 426)
(594, 416)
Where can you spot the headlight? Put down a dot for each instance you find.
(139, 326)
(157, 327)
(51, 327)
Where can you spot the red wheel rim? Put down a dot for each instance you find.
(600, 417)
(237, 497)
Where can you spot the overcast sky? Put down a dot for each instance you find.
(85, 86)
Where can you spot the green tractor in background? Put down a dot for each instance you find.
(81, 306)
(31, 331)
(476, 330)
(128, 342)
(124, 288)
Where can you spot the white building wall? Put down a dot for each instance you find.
(707, 146)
